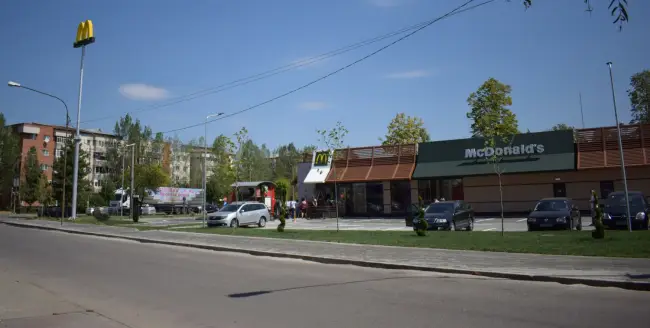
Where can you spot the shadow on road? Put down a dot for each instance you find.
(264, 292)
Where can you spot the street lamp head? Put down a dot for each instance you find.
(609, 64)
(213, 115)
(13, 84)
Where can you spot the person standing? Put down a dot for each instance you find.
(303, 208)
(292, 209)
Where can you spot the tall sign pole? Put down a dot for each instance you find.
(85, 36)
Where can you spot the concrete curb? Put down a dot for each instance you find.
(629, 285)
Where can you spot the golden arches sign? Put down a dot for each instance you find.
(322, 158)
(85, 34)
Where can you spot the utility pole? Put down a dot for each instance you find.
(582, 115)
(620, 148)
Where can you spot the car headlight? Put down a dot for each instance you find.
(640, 216)
(441, 220)
(606, 216)
(561, 220)
(416, 220)
(531, 220)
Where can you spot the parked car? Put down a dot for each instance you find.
(449, 215)
(240, 214)
(615, 213)
(554, 213)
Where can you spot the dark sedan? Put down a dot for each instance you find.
(554, 213)
(615, 213)
(450, 215)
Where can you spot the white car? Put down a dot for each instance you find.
(240, 214)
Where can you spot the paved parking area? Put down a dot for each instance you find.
(481, 224)
(378, 224)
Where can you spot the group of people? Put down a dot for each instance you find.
(296, 208)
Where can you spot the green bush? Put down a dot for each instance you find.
(422, 225)
(97, 213)
(283, 218)
(599, 233)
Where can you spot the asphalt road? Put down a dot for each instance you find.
(51, 279)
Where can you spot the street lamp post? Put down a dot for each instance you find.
(620, 149)
(205, 162)
(67, 124)
(123, 172)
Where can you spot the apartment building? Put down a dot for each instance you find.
(41, 137)
(95, 143)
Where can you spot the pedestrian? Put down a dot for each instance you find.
(292, 209)
(592, 204)
(303, 207)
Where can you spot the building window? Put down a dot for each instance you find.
(43, 167)
(424, 191)
(33, 136)
(58, 153)
(400, 194)
(46, 138)
(606, 187)
(46, 153)
(374, 197)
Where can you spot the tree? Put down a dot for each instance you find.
(148, 177)
(223, 172)
(561, 127)
(83, 186)
(494, 122)
(639, 94)
(618, 10)
(44, 191)
(30, 187)
(404, 129)
(107, 193)
(9, 156)
(488, 110)
(333, 140)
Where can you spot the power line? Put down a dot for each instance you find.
(457, 10)
(270, 73)
(266, 74)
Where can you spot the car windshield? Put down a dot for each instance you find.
(440, 208)
(619, 200)
(229, 208)
(552, 205)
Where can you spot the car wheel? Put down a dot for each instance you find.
(234, 223)
(452, 226)
(579, 226)
(262, 222)
(470, 225)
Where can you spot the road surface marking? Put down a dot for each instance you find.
(522, 220)
(490, 229)
(481, 220)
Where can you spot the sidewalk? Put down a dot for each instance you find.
(594, 271)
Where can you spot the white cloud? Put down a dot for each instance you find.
(409, 74)
(312, 105)
(139, 91)
(388, 3)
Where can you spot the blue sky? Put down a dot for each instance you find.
(150, 51)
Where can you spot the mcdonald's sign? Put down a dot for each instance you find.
(322, 158)
(85, 34)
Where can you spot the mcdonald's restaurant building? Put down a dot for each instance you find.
(534, 166)
(383, 181)
(370, 181)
